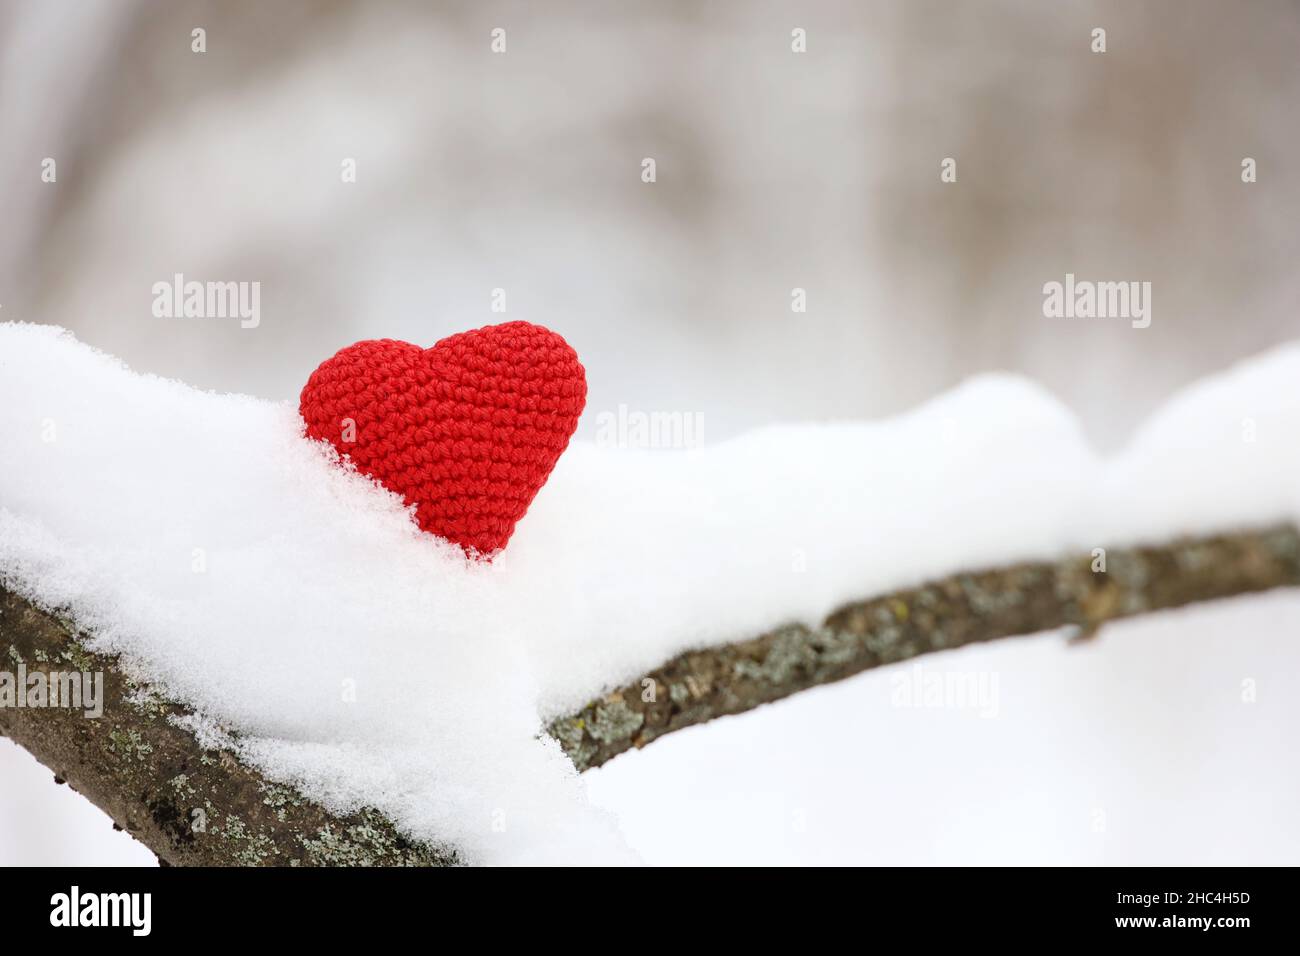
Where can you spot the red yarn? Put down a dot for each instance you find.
(466, 431)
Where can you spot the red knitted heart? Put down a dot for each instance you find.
(466, 431)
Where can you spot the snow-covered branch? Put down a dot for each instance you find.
(958, 610)
(200, 545)
(147, 763)
(154, 770)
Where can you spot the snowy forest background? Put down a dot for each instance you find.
(775, 171)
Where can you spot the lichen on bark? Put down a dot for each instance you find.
(188, 803)
(193, 803)
(955, 611)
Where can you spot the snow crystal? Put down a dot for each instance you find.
(237, 565)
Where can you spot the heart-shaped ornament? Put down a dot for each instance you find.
(466, 431)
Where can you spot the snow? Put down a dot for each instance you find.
(1140, 748)
(237, 565)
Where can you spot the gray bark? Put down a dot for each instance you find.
(197, 806)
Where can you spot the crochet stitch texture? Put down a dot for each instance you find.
(467, 431)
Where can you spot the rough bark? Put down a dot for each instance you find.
(958, 610)
(191, 805)
(194, 805)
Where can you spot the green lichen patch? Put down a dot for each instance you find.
(280, 799)
(614, 720)
(247, 848)
(371, 841)
(130, 744)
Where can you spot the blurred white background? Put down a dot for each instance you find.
(775, 170)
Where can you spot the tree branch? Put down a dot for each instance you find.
(962, 609)
(193, 804)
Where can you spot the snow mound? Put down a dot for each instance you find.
(239, 566)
